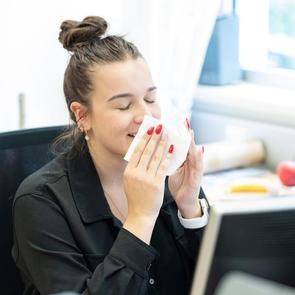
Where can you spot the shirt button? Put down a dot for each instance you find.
(151, 281)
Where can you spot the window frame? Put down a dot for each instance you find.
(256, 71)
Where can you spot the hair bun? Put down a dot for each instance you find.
(74, 34)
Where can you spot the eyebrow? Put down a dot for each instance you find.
(130, 94)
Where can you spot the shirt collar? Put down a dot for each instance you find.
(86, 187)
(87, 190)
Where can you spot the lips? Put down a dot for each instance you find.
(132, 135)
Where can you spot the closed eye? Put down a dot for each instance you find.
(128, 106)
(150, 101)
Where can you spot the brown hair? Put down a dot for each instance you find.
(87, 47)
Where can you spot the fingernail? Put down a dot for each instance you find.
(203, 149)
(159, 129)
(150, 131)
(187, 123)
(171, 149)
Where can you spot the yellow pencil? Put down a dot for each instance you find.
(247, 188)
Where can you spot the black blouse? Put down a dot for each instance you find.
(67, 239)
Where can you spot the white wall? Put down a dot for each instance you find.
(32, 61)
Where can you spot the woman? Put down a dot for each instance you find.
(89, 221)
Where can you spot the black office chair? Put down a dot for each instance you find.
(21, 153)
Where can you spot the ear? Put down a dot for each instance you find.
(81, 114)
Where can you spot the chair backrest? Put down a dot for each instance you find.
(21, 153)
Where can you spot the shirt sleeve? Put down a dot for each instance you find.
(195, 223)
(192, 238)
(47, 252)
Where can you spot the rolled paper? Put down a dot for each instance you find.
(232, 154)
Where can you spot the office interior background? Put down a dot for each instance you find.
(228, 65)
(254, 92)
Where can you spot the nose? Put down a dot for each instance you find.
(140, 112)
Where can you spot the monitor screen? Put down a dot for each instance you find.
(254, 236)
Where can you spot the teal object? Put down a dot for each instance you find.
(221, 65)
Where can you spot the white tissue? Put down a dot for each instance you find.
(177, 133)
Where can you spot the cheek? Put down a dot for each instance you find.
(156, 111)
(115, 124)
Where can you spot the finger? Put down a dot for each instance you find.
(163, 167)
(198, 150)
(150, 147)
(192, 133)
(195, 154)
(158, 156)
(198, 162)
(187, 123)
(192, 146)
(195, 158)
(137, 153)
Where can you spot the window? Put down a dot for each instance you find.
(267, 41)
(281, 46)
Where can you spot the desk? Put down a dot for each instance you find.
(216, 185)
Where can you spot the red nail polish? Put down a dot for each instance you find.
(203, 149)
(159, 129)
(150, 131)
(187, 123)
(171, 149)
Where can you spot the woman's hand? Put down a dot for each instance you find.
(184, 184)
(144, 183)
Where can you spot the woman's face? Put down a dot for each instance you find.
(123, 93)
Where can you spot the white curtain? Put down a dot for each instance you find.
(173, 35)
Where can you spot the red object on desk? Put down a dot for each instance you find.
(286, 172)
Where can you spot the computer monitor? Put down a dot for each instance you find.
(254, 236)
